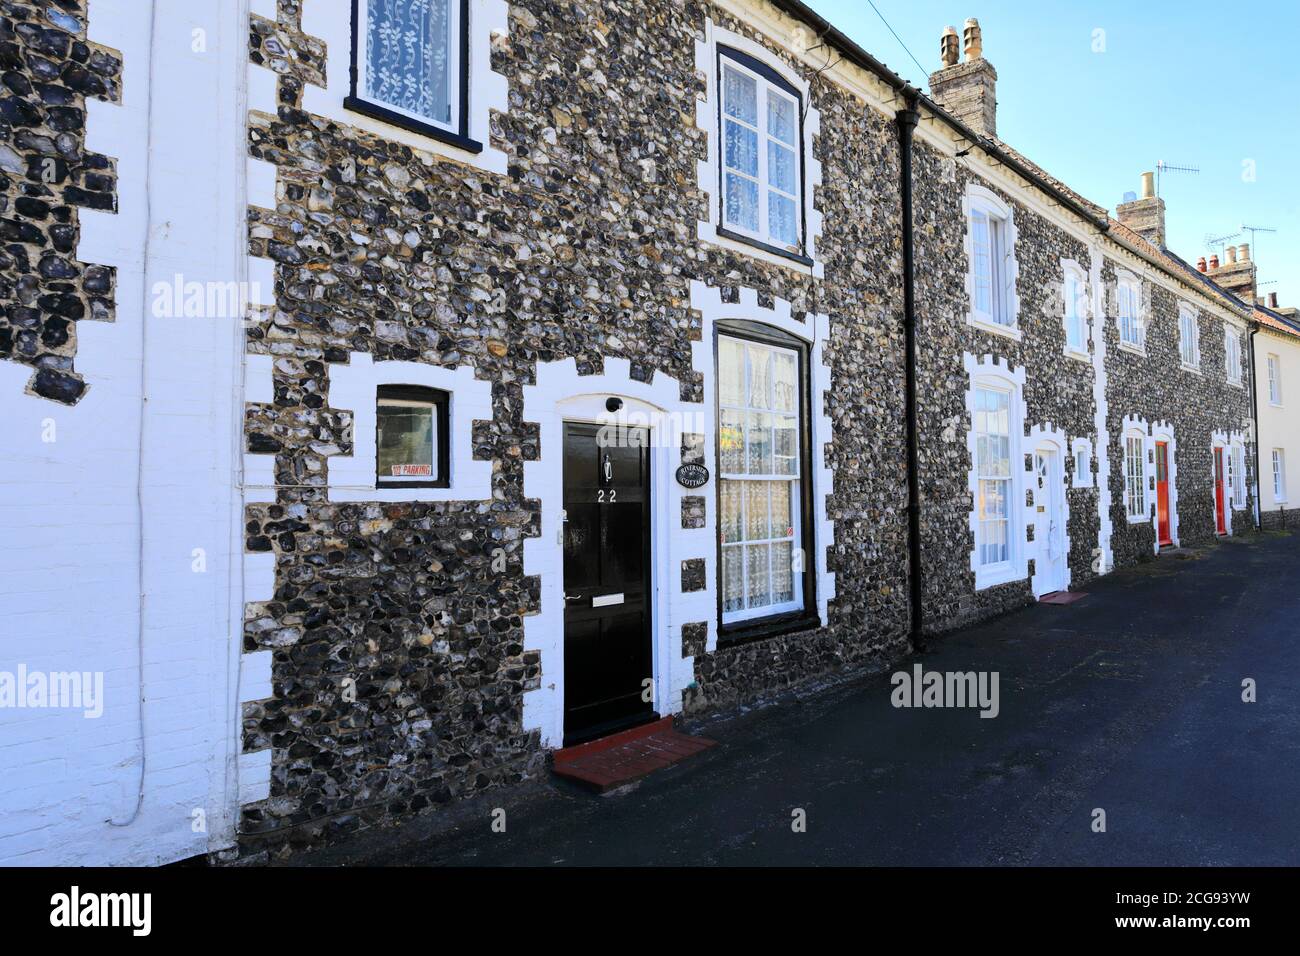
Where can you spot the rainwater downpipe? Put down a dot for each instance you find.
(907, 119)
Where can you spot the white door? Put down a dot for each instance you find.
(1052, 563)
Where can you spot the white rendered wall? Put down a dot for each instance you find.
(70, 509)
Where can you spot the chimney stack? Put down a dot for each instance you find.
(1272, 300)
(1237, 274)
(1145, 216)
(967, 90)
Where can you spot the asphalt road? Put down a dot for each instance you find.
(1129, 701)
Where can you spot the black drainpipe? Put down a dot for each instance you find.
(907, 119)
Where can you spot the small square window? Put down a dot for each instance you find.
(411, 438)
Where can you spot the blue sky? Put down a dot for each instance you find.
(1193, 83)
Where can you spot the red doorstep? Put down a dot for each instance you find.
(622, 758)
(1062, 597)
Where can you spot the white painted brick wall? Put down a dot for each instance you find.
(69, 526)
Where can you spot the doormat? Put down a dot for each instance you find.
(620, 759)
(1062, 597)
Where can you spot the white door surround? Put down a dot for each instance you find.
(560, 396)
(1050, 517)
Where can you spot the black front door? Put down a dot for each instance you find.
(607, 658)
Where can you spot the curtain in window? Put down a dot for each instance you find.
(760, 137)
(992, 427)
(409, 56)
(759, 478)
(1135, 480)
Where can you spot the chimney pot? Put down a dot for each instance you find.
(1200, 264)
(1214, 263)
(1232, 254)
(1272, 300)
(1148, 185)
(1243, 252)
(974, 40)
(949, 46)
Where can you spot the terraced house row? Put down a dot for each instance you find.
(397, 391)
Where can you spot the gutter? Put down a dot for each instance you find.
(907, 120)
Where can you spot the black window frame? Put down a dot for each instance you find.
(441, 401)
(459, 138)
(807, 617)
(776, 79)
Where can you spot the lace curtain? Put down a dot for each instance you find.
(409, 56)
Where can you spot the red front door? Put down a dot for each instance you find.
(1220, 518)
(1162, 493)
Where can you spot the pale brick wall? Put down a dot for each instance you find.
(69, 516)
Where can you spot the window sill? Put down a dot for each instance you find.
(1194, 369)
(1132, 349)
(767, 247)
(1082, 485)
(1138, 519)
(998, 575)
(1079, 355)
(393, 118)
(1006, 331)
(1238, 384)
(1273, 404)
(765, 628)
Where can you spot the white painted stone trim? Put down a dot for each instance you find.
(709, 170)
(1226, 441)
(1131, 424)
(1186, 308)
(1039, 435)
(1236, 378)
(354, 387)
(560, 395)
(1082, 479)
(1163, 431)
(998, 373)
(489, 22)
(1124, 277)
(1070, 267)
(1103, 556)
(976, 195)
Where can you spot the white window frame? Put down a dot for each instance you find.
(766, 87)
(1137, 504)
(1189, 338)
(795, 481)
(1237, 475)
(1232, 355)
(1003, 315)
(996, 375)
(1081, 451)
(1130, 317)
(1274, 364)
(1279, 476)
(457, 28)
(1077, 308)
